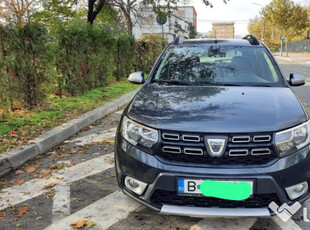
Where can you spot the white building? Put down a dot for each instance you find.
(147, 24)
(188, 14)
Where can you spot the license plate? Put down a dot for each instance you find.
(224, 189)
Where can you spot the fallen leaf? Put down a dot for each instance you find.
(17, 181)
(32, 168)
(89, 224)
(79, 224)
(11, 134)
(105, 149)
(111, 160)
(64, 155)
(49, 186)
(44, 173)
(109, 141)
(48, 195)
(18, 225)
(39, 218)
(52, 153)
(19, 172)
(32, 142)
(69, 165)
(3, 214)
(22, 210)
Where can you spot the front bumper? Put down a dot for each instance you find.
(268, 179)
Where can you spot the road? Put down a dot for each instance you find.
(76, 181)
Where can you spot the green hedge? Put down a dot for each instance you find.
(70, 59)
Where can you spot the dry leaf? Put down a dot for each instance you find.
(22, 210)
(109, 142)
(82, 223)
(49, 186)
(89, 224)
(19, 172)
(17, 181)
(3, 214)
(32, 168)
(79, 224)
(44, 173)
(111, 160)
(11, 134)
(39, 218)
(48, 195)
(105, 149)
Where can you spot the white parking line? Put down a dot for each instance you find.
(20, 193)
(104, 212)
(95, 137)
(289, 225)
(224, 223)
(61, 202)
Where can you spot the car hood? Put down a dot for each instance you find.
(216, 109)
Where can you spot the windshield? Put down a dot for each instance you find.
(218, 65)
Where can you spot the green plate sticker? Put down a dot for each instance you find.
(226, 190)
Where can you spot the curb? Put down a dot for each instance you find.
(18, 156)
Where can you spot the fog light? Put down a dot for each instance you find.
(134, 185)
(297, 190)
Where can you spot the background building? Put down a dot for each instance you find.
(177, 23)
(187, 13)
(224, 30)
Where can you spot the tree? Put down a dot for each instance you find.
(192, 31)
(94, 8)
(287, 18)
(271, 36)
(18, 11)
(130, 8)
(53, 12)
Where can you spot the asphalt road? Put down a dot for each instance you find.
(76, 181)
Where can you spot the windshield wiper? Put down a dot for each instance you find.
(261, 85)
(176, 82)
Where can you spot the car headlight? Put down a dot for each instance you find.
(293, 139)
(136, 134)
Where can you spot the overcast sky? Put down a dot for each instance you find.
(235, 10)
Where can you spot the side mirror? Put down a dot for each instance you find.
(136, 78)
(296, 79)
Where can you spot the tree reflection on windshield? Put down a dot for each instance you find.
(214, 64)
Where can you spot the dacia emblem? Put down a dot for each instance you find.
(216, 146)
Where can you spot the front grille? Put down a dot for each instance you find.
(240, 149)
(161, 197)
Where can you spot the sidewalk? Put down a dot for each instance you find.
(294, 57)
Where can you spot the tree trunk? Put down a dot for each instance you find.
(128, 22)
(92, 13)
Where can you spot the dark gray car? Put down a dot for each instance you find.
(216, 130)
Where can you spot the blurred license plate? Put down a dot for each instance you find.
(192, 186)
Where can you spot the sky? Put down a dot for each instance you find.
(239, 11)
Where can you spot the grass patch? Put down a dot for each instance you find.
(17, 128)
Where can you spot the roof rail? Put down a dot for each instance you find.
(252, 39)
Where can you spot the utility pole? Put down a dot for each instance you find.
(264, 26)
